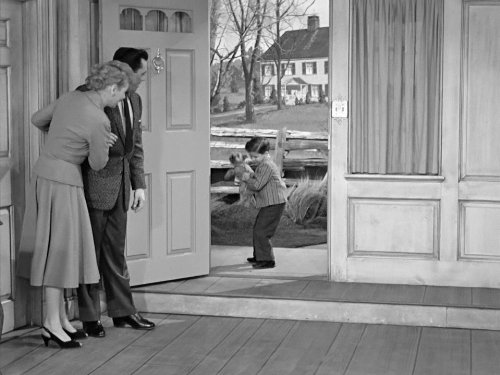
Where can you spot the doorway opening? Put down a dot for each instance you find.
(289, 106)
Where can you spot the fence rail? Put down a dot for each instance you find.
(234, 139)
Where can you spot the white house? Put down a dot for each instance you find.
(304, 62)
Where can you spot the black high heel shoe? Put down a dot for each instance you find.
(79, 334)
(62, 344)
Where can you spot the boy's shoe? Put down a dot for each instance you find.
(252, 260)
(264, 264)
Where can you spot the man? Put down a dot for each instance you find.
(108, 195)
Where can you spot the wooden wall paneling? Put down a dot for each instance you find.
(481, 90)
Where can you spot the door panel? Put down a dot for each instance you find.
(435, 230)
(169, 239)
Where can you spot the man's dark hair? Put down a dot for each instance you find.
(131, 56)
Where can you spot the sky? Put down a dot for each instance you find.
(319, 8)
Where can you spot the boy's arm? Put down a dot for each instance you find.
(260, 178)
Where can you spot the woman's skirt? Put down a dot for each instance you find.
(57, 247)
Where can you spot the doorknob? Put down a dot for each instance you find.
(158, 62)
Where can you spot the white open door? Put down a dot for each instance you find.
(11, 125)
(169, 238)
(435, 229)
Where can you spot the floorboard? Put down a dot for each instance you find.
(27, 362)
(251, 357)
(141, 350)
(19, 347)
(191, 347)
(485, 352)
(385, 350)
(340, 353)
(222, 353)
(447, 296)
(486, 297)
(302, 350)
(444, 352)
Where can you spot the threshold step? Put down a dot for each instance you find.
(414, 305)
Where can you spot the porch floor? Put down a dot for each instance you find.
(236, 289)
(208, 345)
(309, 262)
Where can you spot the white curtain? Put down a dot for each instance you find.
(396, 86)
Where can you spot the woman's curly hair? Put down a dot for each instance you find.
(109, 73)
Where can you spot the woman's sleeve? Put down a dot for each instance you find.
(260, 178)
(98, 147)
(42, 118)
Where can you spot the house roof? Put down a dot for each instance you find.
(296, 80)
(301, 44)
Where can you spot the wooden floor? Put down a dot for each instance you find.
(184, 344)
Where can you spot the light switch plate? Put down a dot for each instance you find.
(339, 108)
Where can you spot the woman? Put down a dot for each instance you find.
(57, 248)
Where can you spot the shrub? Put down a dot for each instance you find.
(234, 87)
(215, 101)
(241, 104)
(225, 104)
(307, 201)
(308, 98)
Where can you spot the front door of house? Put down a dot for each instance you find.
(169, 238)
(11, 123)
(439, 227)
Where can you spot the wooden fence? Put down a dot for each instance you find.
(297, 151)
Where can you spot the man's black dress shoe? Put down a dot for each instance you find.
(264, 264)
(94, 329)
(135, 321)
(252, 260)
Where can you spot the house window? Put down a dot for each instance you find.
(289, 69)
(309, 68)
(326, 67)
(268, 89)
(396, 93)
(268, 70)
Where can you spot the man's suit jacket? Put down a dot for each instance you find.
(125, 167)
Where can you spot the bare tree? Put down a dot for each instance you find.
(281, 18)
(247, 18)
(223, 49)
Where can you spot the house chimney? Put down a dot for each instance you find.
(312, 23)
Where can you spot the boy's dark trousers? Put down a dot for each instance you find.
(265, 226)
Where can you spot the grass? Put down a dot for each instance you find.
(310, 117)
(232, 225)
(303, 223)
(307, 201)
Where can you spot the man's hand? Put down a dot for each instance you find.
(139, 199)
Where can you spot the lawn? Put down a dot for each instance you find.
(308, 117)
(232, 225)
